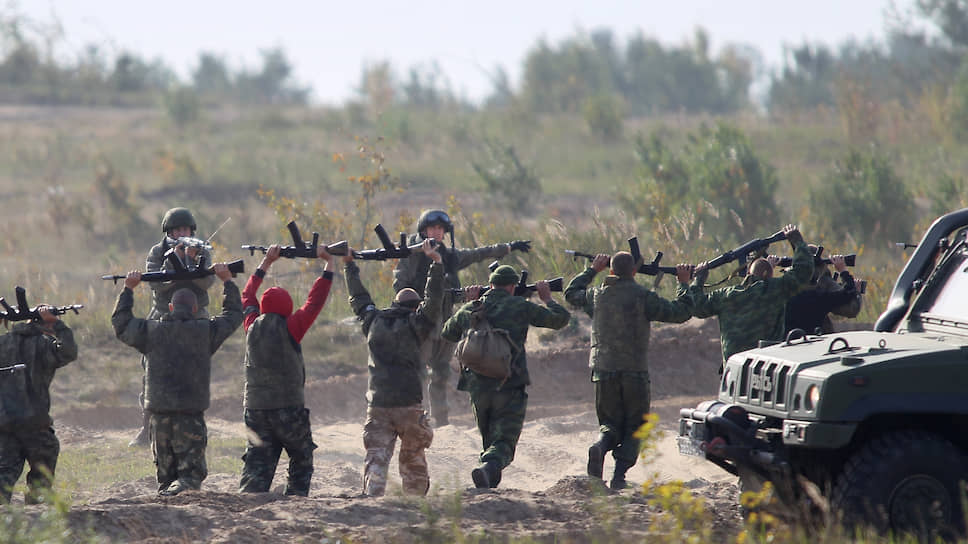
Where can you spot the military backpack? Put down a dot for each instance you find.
(485, 349)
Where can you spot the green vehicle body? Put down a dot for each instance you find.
(876, 420)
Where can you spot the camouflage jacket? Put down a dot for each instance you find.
(42, 350)
(622, 311)
(515, 315)
(412, 271)
(753, 310)
(178, 350)
(161, 291)
(394, 337)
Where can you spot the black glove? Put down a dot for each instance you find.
(520, 245)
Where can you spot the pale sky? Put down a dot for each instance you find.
(329, 42)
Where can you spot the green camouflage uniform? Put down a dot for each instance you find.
(30, 438)
(395, 392)
(178, 353)
(622, 311)
(437, 352)
(500, 408)
(753, 310)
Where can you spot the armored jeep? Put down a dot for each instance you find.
(874, 421)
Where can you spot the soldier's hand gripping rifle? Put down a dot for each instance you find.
(24, 312)
(179, 272)
(389, 249)
(301, 248)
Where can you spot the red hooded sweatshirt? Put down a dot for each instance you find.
(276, 300)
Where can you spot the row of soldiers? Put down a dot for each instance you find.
(418, 330)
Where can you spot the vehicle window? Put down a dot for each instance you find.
(950, 298)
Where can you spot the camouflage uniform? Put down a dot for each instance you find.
(500, 408)
(753, 310)
(395, 392)
(161, 295)
(275, 376)
(178, 353)
(622, 312)
(437, 352)
(31, 439)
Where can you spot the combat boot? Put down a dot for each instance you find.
(618, 478)
(488, 475)
(142, 439)
(596, 454)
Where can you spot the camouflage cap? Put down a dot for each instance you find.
(503, 275)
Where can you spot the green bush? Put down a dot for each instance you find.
(507, 178)
(716, 183)
(863, 198)
(603, 115)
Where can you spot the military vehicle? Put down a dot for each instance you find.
(872, 423)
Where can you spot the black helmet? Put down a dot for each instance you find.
(434, 217)
(178, 217)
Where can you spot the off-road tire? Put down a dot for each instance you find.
(904, 481)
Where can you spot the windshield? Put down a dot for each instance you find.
(947, 302)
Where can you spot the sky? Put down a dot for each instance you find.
(329, 42)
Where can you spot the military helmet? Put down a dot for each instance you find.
(178, 217)
(434, 217)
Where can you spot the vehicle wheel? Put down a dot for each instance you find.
(905, 481)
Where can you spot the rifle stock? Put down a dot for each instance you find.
(25, 313)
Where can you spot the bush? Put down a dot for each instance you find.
(716, 183)
(603, 115)
(864, 199)
(181, 105)
(507, 178)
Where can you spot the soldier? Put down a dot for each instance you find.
(622, 312)
(177, 223)
(808, 309)
(395, 397)
(275, 414)
(41, 347)
(753, 310)
(500, 406)
(412, 272)
(178, 352)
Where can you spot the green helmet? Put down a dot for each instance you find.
(178, 217)
(434, 217)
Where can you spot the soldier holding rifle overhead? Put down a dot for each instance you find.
(275, 414)
(753, 310)
(622, 311)
(412, 272)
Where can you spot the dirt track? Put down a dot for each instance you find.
(543, 494)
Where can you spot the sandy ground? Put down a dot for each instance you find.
(544, 493)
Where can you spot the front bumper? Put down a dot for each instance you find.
(724, 434)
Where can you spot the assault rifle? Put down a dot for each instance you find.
(652, 268)
(819, 260)
(742, 253)
(24, 312)
(389, 250)
(179, 272)
(522, 289)
(301, 248)
(191, 242)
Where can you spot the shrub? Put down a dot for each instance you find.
(863, 198)
(507, 178)
(603, 115)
